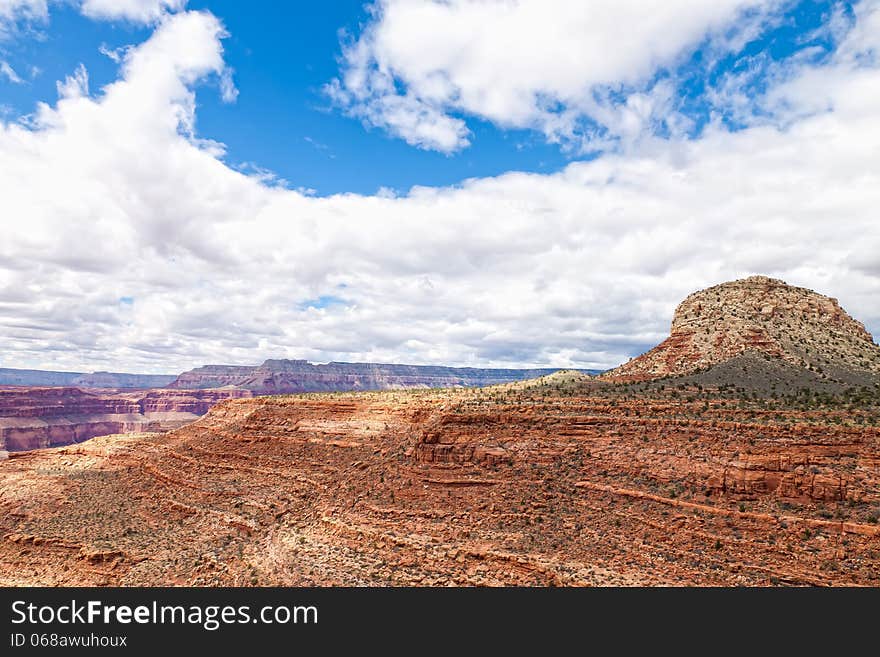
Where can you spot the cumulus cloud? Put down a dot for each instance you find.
(74, 85)
(555, 66)
(127, 243)
(137, 11)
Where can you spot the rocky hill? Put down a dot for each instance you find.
(295, 376)
(766, 318)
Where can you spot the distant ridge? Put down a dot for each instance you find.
(294, 376)
(15, 377)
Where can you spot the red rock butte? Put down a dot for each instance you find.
(761, 315)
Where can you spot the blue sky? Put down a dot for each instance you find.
(282, 56)
(493, 183)
(283, 121)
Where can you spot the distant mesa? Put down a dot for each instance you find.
(760, 319)
(15, 377)
(297, 376)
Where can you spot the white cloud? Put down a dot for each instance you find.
(111, 195)
(137, 11)
(29, 9)
(16, 12)
(114, 54)
(9, 73)
(540, 64)
(228, 91)
(13, 11)
(74, 85)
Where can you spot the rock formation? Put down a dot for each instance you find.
(117, 380)
(212, 376)
(763, 316)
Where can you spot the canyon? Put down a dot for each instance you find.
(34, 418)
(529, 486)
(742, 451)
(69, 407)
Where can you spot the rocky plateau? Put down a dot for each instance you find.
(43, 378)
(492, 487)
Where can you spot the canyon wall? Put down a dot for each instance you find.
(33, 418)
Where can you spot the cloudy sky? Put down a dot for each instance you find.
(493, 183)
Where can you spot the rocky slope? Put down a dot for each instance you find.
(458, 487)
(32, 418)
(13, 377)
(295, 376)
(766, 317)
